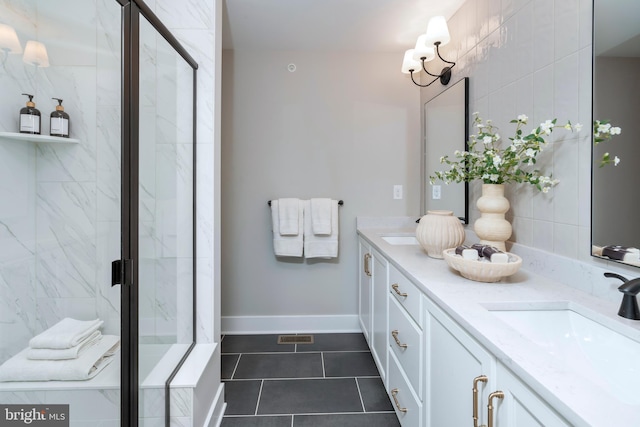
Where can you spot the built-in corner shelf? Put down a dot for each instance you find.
(15, 136)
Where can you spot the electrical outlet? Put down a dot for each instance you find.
(436, 192)
(397, 192)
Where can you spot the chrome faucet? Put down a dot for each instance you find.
(630, 288)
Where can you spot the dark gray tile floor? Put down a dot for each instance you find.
(333, 382)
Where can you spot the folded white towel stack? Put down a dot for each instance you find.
(86, 366)
(64, 353)
(66, 333)
(289, 214)
(287, 245)
(321, 216)
(321, 246)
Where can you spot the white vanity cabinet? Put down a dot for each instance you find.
(372, 303)
(379, 314)
(460, 373)
(365, 275)
(465, 380)
(520, 406)
(406, 350)
(435, 372)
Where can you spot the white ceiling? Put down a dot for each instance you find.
(329, 25)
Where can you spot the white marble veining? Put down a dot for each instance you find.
(571, 392)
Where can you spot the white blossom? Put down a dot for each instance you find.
(487, 140)
(523, 118)
(577, 127)
(614, 131)
(616, 160)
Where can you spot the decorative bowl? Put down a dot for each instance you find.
(482, 271)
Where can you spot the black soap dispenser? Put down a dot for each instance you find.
(59, 121)
(30, 117)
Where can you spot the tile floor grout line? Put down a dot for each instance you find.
(360, 394)
(259, 396)
(235, 368)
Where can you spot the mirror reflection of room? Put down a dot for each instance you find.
(616, 99)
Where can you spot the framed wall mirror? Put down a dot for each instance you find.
(446, 129)
(615, 199)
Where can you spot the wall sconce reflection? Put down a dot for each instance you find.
(35, 53)
(9, 42)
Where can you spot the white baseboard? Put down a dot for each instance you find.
(290, 324)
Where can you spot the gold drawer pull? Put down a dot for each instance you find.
(395, 289)
(394, 334)
(498, 395)
(476, 380)
(367, 257)
(394, 392)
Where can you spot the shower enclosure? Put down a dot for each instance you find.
(99, 225)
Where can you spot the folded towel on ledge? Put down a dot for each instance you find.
(316, 246)
(66, 333)
(63, 353)
(86, 366)
(321, 216)
(289, 213)
(290, 246)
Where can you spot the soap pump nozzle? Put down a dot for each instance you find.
(59, 107)
(30, 102)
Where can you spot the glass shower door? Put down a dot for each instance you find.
(166, 218)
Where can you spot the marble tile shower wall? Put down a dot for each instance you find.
(61, 218)
(534, 57)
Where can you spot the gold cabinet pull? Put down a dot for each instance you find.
(394, 334)
(395, 289)
(497, 395)
(394, 393)
(367, 257)
(476, 380)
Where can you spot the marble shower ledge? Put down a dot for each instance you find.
(46, 139)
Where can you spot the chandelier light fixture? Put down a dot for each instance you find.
(427, 47)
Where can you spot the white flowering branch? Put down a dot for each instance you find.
(603, 131)
(486, 161)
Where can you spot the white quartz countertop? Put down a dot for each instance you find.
(582, 399)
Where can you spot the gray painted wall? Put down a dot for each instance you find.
(343, 125)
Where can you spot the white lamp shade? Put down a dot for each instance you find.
(9, 39)
(409, 63)
(35, 53)
(423, 50)
(437, 31)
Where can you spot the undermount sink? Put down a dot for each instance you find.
(572, 335)
(401, 240)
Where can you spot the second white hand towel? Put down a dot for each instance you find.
(286, 245)
(321, 216)
(321, 246)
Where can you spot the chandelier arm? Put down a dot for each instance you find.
(424, 68)
(437, 45)
(428, 84)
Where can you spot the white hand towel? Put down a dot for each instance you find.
(290, 246)
(321, 246)
(87, 366)
(66, 333)
(321, 216)
(288, 210)
(64, 353)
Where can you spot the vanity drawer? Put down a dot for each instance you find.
(405, 340)
(406, 404)
(406, 293)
